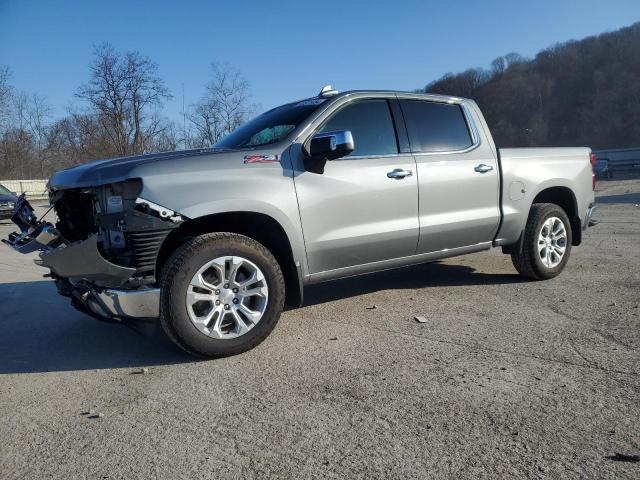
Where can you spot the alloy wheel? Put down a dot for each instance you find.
(552, 242)
(227, 297)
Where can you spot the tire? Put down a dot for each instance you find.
(532, 262)
(225, 333)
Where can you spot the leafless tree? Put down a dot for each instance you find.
(24, 138)
(38, 114)
(122, 101)
(19, 108)
(167, 138)
(498, 65)
(514, 58)
(79, 137)
(123, 92)
(224, 106)
(19, 142)
(464, 84)
(6, 91)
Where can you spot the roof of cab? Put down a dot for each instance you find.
(426, 96)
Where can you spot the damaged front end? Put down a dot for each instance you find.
(103, 248)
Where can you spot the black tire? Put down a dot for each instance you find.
(528, 262)
(178, 272)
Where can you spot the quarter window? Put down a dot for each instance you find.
(435, 127)
(370, 124)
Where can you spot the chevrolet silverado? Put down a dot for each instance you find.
(215, 242)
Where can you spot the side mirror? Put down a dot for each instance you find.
(327, 146)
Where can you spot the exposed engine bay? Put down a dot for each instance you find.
(102, 248)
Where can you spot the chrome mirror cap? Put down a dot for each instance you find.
(339, 138)
(327, 146)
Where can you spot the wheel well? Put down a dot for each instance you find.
(564, 197)
(260, 227)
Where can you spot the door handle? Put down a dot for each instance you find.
(482, 168)
(399, 173)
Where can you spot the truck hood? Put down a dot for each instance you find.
(102, 172)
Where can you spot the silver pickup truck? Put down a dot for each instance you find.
(215, 242)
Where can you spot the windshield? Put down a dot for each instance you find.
(271, 126)
(4, 191)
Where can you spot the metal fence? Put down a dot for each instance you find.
(621, 159)
(35, 189)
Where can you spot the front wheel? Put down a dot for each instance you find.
(546, 244)
(221, 294)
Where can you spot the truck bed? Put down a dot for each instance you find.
(528, 171)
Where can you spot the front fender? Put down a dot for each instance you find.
(229, 185)
(284, 218)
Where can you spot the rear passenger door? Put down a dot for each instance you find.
(364, 207)
(457, 176)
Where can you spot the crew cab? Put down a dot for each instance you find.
(214, 242)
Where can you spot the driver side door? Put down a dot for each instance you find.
(360, 210)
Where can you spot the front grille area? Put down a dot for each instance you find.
(146, 246)
(75, 215)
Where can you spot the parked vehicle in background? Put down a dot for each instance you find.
(602, 169)
(213, 242)
(8, 202)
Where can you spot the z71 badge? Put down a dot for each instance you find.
(261, 158)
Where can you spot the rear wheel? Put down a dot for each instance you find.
(547, 243)
(221, 294)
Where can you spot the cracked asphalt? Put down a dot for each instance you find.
(505, 379)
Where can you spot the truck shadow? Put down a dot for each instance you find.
(622, 198)
(41, 332)
(419, 276)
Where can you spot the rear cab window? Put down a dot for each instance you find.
(435, 127)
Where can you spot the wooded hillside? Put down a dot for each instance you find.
(584, 92)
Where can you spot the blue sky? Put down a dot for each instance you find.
(287, 50)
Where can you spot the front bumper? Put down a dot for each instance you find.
(83, 261)
(95, 285)
(75, 261)
(114, 304)
(6, 214)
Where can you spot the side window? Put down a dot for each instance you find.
(435, 127)
(370, 124)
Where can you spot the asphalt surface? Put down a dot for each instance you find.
(505, 379)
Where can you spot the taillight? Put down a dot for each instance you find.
(592, 158)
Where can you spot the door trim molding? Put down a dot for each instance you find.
(395, 263)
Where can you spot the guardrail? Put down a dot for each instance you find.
(621, 158)
(35, 189)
